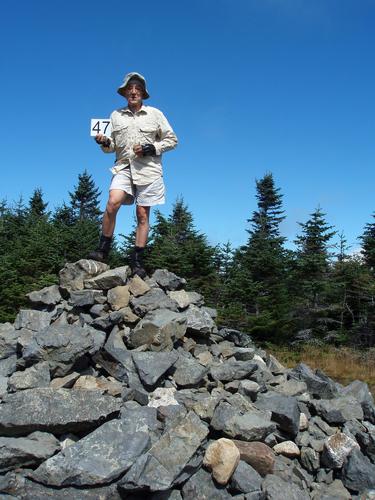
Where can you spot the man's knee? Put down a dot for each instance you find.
(113, 206)
(142, 220)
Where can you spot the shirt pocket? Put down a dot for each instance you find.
(148, 132)
(120, 135)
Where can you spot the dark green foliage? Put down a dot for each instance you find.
(261, 288)
(368, 244)
(257, 276)
(37, 207)
(176, 245)
(34, 244)
(312, 257)
(85, 199)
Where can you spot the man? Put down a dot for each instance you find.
(140, 134)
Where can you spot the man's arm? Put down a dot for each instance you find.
(167, 139)
(107, 144)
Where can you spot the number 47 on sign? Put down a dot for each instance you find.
(100, 126)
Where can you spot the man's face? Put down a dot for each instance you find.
(134, 93)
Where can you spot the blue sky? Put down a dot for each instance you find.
(250, 86)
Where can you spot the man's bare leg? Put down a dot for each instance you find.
(143, 216)
(115, 200)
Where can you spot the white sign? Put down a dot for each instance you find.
(100, 126)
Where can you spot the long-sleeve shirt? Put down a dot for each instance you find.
(148, 125)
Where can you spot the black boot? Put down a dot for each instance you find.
(101, 253)
(136, 263)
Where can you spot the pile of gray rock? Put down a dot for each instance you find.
(116, 387)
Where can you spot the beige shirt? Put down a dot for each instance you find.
(148, 125)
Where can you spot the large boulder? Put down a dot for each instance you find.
(285, 410)
(48, 296)
(63, 346)
(151, 366)
(98, 458)
(168, 280)
(109, 279)
(154, 299)
(27, 451)
(73, 275)
(159, 330)
(245, 425)
(171, 460)
(49, 410)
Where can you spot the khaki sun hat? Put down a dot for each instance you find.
(135, 76)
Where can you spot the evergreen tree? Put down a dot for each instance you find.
(37, 206)
(368, 244)
(176, 245)
(261, 263)
(313, 255)
(85, 199)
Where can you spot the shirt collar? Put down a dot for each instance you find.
(142, 110)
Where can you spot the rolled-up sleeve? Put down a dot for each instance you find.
(111, 147)
(167, 139)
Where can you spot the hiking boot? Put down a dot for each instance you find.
(101, 253)
(136, 263)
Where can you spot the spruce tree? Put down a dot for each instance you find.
(37, 206)
(261, 263)
(313, 257)
(368, 244)
(85, 199)
(176, 245)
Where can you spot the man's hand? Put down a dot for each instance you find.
(102, 140)
(138, 150)
(144, 150)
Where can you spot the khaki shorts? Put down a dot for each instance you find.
(146, 195)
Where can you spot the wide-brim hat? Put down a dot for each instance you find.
(135, 76)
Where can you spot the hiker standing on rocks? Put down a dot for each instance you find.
(140, 134)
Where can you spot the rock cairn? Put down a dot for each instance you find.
(116, 387)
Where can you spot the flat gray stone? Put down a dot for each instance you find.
(168, 280)
(249, 426)
(8, 340)
(154, 299)
(56, 411)
(72, 275)
(188, 372)
(98, 458)
(32, 320)
(8, 365)
(201, 402)
(35, 376)
(232, 370)
(151, 366)
(109, 279)
(318, 385)
(165, 464)
(49, 296)
(202, 487)
(26, 451)
(199, 321)
(245, 479)
(159, 329)
(63, 346)
(276, 488)
(360, 391)
(358, 473)
(15, 485)
(285, 410)
(83, 298)
(338, 410)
